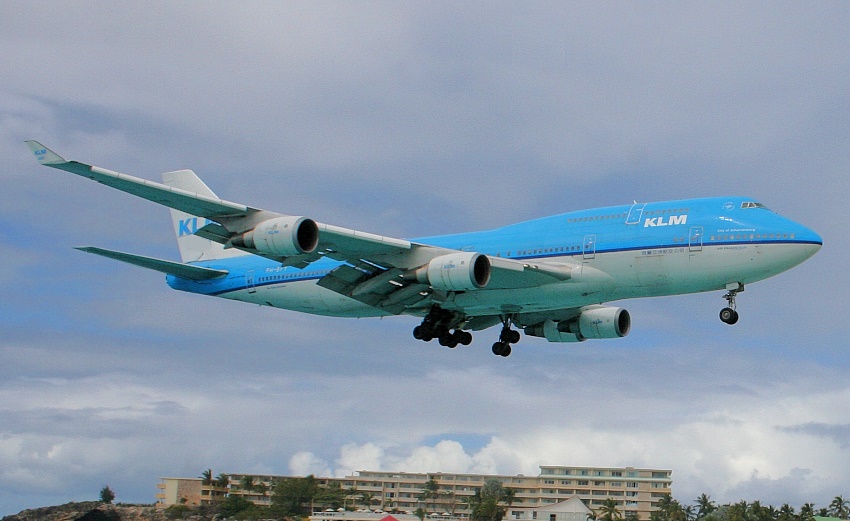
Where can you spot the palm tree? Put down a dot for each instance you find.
(738, 511)
(609, 511)
(839, 507)
(786, 513)
(248, 483)
(430, 490)
(352, 494)
(207, 478)
(705, 506)
(262, 489)
(807, 512)
(367, 498)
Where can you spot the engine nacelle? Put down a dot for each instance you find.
(460, 271)
(283, 236)
(593, 322)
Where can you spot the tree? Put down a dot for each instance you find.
(430, 490)
(807, 512)
(367, 498)
(487, 501)
(262, 489)
(609, 511)
(222, 481)
(669, 510)
(292, 496)
(839, 507)
(107, 495)
(705, 506)
(233, 505)
(207, 478)
(247, 483)
(331, 496)
(351, 493)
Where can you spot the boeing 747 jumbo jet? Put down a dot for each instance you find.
(548, 276)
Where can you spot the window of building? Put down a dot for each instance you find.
(631, 484)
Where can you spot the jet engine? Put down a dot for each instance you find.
(459, 271)
(283, 236)
(593, 322)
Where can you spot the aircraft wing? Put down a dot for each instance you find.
(385, 272)
(195, 204)
(185, 271)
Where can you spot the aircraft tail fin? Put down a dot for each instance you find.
(192, 247)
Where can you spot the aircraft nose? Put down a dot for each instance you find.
(810, 240)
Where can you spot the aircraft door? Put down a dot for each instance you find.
(695, 239)
(249, 281)
(589, 249)
(635, 213)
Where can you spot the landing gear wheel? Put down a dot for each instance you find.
(465, 337)
(424, 333)
(449, 339)
(501, 348)
(728, 315)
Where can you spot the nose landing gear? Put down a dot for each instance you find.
(728, 314)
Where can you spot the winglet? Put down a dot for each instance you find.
(44, 155)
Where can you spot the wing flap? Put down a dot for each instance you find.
(185, 271)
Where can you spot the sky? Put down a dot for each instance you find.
(409, 119)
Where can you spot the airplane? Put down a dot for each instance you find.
(549, 277)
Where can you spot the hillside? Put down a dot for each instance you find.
(91, 511)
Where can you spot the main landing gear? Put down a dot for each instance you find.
(728, 314)
(443, 325)
(507, 337)
(438, 323)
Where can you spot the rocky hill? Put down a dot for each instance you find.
(91, 511)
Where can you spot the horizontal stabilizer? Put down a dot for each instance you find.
(185, 271)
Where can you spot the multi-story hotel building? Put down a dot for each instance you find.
(636, 491)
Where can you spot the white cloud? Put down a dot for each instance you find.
(433, 120)
(306, 463)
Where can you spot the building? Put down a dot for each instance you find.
(572, 509)
(636, 491)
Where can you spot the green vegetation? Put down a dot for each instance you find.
(107, 495)
(490, 502)
(705, 509)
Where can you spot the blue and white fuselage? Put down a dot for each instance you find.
(548, 276)
(642, 250)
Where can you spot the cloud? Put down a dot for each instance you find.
(411, 121)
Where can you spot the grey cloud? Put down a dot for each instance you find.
(408, 120)
(837, 433)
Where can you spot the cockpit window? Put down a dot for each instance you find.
(752, 204)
